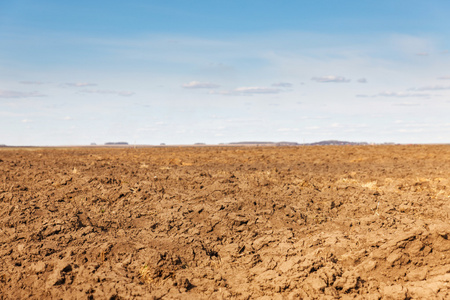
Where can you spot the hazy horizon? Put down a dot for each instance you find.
(120, 144)
(177, 72)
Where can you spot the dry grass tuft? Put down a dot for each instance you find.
(145, 274)
(370, 185)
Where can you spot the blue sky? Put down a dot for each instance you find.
(180, 72)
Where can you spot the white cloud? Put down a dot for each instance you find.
(257, 90)
(401, 94)
(80, 84)
(68, 118)
(330, 78)
(200, 85)
(16, 94)
(118, 93)
(362, 80)
(247, 91)
(26, 121)
(444, 78)
(282, 84)
(431, 88)
(123, 93)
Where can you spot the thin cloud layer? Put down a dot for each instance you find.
(362, 80)
(330, 78)
(200, 85)
(282, 84)
(288, 129)
(401, 94)
(431, 88)
(118, 93)
(257, 90)
(247, 91)
(17, 95)
(80, 84)
(31, 82)
(406, 104)
(391, 94)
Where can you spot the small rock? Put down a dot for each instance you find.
(369, 266)
(347, 282)
(39, 267)
(56, 278)
(395, 292)
(394, 257)
(317, 283)
(417, 275)
(421, 292)
(289, 264)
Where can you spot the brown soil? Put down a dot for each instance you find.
(331, 222)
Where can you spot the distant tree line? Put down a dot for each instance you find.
(116, 143)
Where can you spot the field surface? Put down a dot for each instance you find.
(333, 222)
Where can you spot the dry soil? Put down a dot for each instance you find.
(333, 222)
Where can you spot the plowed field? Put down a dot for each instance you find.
(330, 222)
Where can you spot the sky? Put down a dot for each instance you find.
(184, 72)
